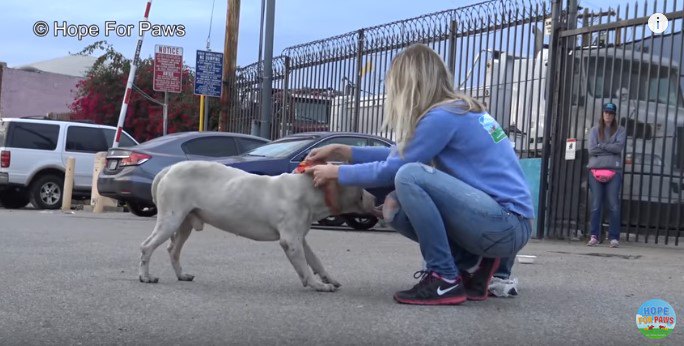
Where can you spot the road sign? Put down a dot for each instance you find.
(209, 73)
(168, 68)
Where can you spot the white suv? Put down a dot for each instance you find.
(33, 156)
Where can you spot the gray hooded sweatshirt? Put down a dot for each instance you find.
(606, 153)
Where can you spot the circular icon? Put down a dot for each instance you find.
(656, 319)
(40, 28)
(657, 22)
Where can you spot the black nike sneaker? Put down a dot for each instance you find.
(477, 283)
(432, 290)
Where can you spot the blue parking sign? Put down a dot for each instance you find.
(208, 73)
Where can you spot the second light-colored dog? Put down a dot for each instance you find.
(263, 208)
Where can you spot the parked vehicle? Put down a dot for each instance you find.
(129, 171)
(283, 156)
(34, 153)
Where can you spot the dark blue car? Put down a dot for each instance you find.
(283, 156)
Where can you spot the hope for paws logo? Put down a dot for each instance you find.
(656, 319)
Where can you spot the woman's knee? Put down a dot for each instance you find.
(614, 205)
(408, 173)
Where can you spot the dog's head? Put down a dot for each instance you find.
(342, 199)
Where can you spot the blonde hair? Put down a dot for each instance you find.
(417, 81)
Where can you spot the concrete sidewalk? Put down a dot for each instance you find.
(72, 279)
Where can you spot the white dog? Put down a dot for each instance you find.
(265, 208)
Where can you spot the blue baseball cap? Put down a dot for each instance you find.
(610, 108)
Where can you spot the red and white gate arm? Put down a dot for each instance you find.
(131, 77)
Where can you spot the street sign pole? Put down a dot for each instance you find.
(166, 112)
(201, 114)
(206, 113)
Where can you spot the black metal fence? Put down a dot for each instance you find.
(618, 59)
(337, 83)
(543, 75)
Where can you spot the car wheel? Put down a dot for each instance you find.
(142, 210)
(14, 199)
(47, 192)
(360, 222)
(331, 221)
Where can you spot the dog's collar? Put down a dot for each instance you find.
(329, 190)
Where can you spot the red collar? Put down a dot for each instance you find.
(329, 190)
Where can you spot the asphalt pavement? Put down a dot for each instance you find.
(71, 279)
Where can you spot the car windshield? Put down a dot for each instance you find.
(281, 148)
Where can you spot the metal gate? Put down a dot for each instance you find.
(542, 69)
(619, 59)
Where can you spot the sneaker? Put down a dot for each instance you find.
(614, 243)
(432, 290)
(499, 287)
(593, 241)
(477, 283)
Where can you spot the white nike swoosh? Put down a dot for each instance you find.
(441, 292)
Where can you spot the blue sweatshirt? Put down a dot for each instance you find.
(471, 147)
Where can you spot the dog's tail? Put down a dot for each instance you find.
(156, 181)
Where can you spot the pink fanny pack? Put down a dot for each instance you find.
(603, 175)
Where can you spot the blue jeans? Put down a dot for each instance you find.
(454, 223)
(610, 193)
(505, 267)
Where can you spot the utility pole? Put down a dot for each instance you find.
(266, 90)
(229, 61)
(572, 14)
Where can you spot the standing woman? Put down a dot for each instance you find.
(459, 192)
(606, 142)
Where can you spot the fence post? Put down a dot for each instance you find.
(357, 87)
(97, 201)
(452, 48)
(68, 184)
(548, 116)
(285, 106)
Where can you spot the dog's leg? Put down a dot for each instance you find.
(167, 225)
(317, 266)
(294, 249)
(175, 246)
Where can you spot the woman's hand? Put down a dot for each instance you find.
(329, 152)
(322, 174)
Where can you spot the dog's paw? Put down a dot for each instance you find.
(186, 277)
(329, 280)
(148, 279)
(321, 287)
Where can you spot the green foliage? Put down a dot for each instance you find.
(100, 96)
